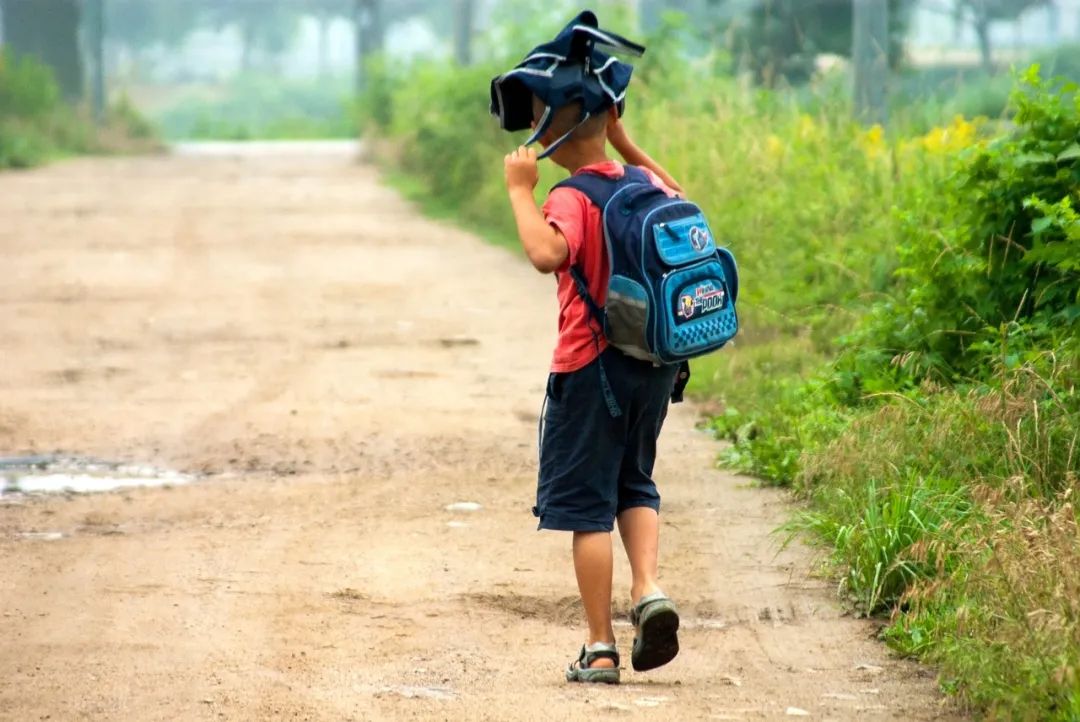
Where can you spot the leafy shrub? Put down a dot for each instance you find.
(35, 125)
(28, 90)
(995, 275)
(125, 115)
(21, 145)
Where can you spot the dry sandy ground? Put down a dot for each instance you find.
(337, 370)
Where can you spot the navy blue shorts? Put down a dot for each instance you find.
(594, 466)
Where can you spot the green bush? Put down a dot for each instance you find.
(28, 90)
(994, 275)
(22, 145)
(36, 125)
(29, 101)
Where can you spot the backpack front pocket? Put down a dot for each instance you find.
(700, 311)
(681, 241)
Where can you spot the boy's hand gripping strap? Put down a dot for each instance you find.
(545, 124)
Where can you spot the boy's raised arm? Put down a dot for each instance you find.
(544, 245)
(633, 155)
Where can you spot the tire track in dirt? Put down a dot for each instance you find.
(342, 370)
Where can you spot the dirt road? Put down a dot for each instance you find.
(338, 370)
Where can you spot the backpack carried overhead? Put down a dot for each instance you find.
(672, 290)
(569, 69)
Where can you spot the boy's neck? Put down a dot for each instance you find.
(575, 157)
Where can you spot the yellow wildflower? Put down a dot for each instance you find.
(808, 129)
(873, 143)
(774, 147)
(956, 136)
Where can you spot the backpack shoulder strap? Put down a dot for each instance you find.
(596, 188)
(599, 189)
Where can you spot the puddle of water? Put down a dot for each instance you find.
(650, 701)
(52, 475)
(422, 692)
(411, 691)
(42, 535)
(464, 506)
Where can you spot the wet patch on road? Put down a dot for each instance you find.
(59, 474)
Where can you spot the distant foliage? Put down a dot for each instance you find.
(36, 125)
(258, 105)
(27, 88)
(781, 39)
(29, 100)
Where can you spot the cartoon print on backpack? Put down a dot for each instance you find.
(699, 238)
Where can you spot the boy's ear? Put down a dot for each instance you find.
(612, 117)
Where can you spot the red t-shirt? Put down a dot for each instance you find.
(575, 216)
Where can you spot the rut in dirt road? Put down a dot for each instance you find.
(356, 389)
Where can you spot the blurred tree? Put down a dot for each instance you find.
(267, 29)
(48, 29)
(982, 13)
(709, 17)
(368, 21)
(142, 24)
(95, 41)
(463, 31)
(870, 59)
(690, 28)
(782, 38)
(324, 12)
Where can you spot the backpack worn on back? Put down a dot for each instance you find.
(672, 291)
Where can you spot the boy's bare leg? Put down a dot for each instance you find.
(640, 531)
(592, 564)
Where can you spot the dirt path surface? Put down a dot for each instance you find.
(338, 370)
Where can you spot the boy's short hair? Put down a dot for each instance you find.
(567, 117)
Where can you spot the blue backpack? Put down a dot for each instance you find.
(672, 291)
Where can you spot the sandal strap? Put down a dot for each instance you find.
(595, 651)
(639, 608)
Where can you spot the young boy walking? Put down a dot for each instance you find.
(604, 409)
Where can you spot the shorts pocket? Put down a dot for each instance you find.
(555, 386)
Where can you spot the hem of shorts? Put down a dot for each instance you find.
(552, 522)
(653, 504)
